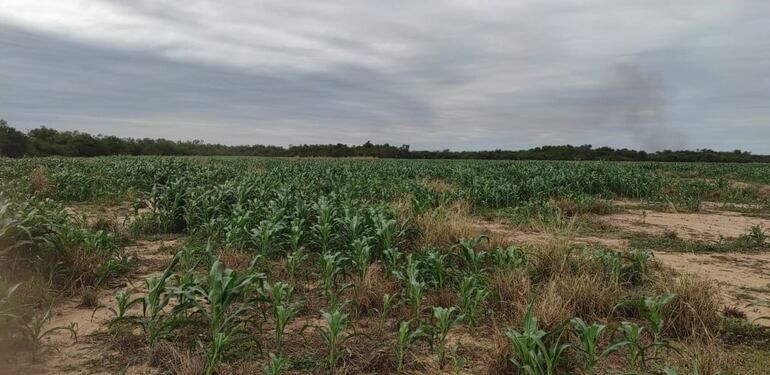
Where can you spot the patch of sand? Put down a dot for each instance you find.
(693, 226)
(742, 277)
(88, 355)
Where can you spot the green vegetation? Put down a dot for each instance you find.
(360, 266)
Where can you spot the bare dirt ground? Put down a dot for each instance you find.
(742, 277)
(89, 355)
(706, 226)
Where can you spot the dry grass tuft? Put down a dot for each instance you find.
(551, 259)
(367, 295)
(499, 358)
(588, 294)
(444, 225)
(89, 297)
(550, 308)
(176, 361)
(439, 186)
(567, 206)
(446, 297)
(704, 357)
(236, 260)
(38, 181)
(513, 289)
(696, 311)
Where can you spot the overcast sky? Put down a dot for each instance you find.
(433, 74)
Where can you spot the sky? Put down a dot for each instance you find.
(434, 74)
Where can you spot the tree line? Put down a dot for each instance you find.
(45, 141)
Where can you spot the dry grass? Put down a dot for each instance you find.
(499, 358)
(696, 311)
(589, 296)
(550, 308)
(236, 260)
(89, 297)
(439, 186)
(704, 357)
(513, 290)
(550, 259)
(38, 181)
(176, 361)
(367, 295)
(444, 225)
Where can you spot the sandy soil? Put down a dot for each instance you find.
(709, 226)
(742, 277)
(88, 355)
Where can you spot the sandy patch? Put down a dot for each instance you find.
(88, 355)
(692, 226)
(742, 277)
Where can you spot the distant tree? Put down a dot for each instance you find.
(13, 143)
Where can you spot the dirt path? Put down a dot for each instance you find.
(90, 355)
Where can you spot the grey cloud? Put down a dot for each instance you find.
(434, 74)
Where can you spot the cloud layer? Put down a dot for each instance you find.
(433, 74)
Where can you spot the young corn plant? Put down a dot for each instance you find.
(334, 336)
(472, 297)
(415, 288)
(389, 302)
(294, 261)
(265, 236)
(443, 321)
(510, 257)
(535, 353)
(332, 266)
(589, 337)
(436, 265)
(474, 260)
(224, 305)
(633, 334)
(275, 365)
(405, 339)
(279, 295)
(362, 256)
(35, 332)
(392, 257)
(324, 226)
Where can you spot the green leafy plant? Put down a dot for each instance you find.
(536, 352)
(35, 332)
(275, 365)
(332, 266)
(333, 335)
(415, 288)
(443, 321)
(472, 297)
(474, 260)
(405, 339)
(589, 337)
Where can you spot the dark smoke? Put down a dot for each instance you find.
(638, 100)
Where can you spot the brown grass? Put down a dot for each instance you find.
(696, 311)
(439, 186)
(444, 225)
(236, 260)
(550, 259)
(89, 297)
(704, 357)
(513, 289)
(589, 296)
(38, 181)
(367, 295)
(176, 361)
(499, 358)
(550, 308)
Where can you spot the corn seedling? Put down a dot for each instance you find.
(362, 255)
(415, 289)
(35, 332)
(332, 266)
(436, 266)
(334, 336)
(405, 339)
(471, 298)
(536, 352)
(589, 337)
(224, 306)
(275, 365)
(474, 260)
(443, 321)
